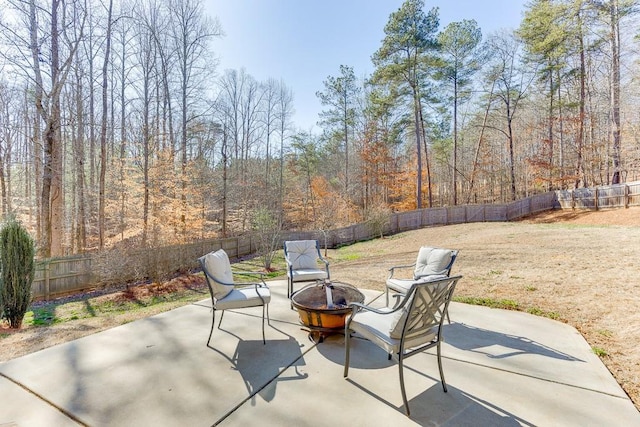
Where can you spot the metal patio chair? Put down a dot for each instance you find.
(227, 295)
(413, 326)
(304, 262)
(430, 263)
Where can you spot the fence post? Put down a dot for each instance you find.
(596, 198)
(47, 292)
(626, 196)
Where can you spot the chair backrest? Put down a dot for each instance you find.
(424, 308)
(217, 271)
(302, 254)
(434, 261)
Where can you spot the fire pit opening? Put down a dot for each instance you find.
(323, 306)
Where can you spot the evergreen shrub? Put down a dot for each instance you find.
(17, 270)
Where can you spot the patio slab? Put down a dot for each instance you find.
(502, 368)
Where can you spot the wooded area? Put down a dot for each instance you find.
(117, 131)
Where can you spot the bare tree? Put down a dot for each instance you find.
(510, 83)
(103, 129)
(48, 42)
(191, 33)
(285, 111)
(146, 64)
(269, 119)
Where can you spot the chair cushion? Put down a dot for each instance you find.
(244, 297)
(218, 265)
(302, 254)
(400, 285)
(403, 285)
(307, 274)
(432, 261)
(375, 327)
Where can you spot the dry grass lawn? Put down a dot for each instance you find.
(581, 268)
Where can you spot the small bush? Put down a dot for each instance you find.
(600, 352)
(378, 216)
(17, 269)
(267, 227)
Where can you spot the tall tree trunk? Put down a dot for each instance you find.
(561, 162)
(345, 122)
(550, 130)
(103, 131)
(123, 133)
(183, 172)
(512, 165)
(42, 177)
(54, 148)
(81, 235)
(224, 180)
(146, 141)
(477, 154)
(92, 126)
(416, 114)
(455, 141)
(426, 156)
(615, 90)
(580, 175)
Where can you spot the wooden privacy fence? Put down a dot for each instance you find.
(60, 276)
(610, 196)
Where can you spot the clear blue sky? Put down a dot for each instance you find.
(303, 42)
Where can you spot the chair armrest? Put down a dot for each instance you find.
(356, 307)
(397, 267)
(326, 267)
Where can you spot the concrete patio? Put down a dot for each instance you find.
(503, 368)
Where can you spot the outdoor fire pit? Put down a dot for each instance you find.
(323, 307)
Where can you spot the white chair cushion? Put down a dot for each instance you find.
(302, 254)
(403, 285)
(308, 274)
(432, 261)
(218, 265)
(375, 327)
(243, 297)
(400, 285)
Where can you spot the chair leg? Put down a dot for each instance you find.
(213, 322)
(387, 296)
(444, 384)
(404, 393)
(347, 343)
(268, 319)
(264, 341)
(221, 316)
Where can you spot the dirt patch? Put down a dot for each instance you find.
(577, 266)
(629, 217)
